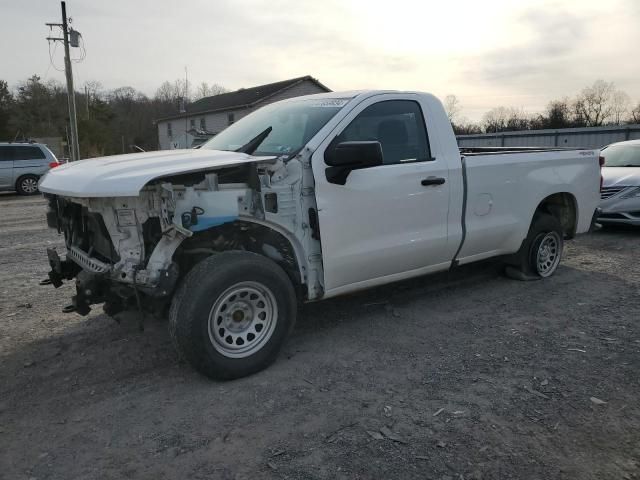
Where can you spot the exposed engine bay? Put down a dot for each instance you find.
(131, 251)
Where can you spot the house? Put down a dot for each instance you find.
(208, 116)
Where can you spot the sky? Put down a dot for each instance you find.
(488, 53)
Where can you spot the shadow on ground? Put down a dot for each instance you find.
(466, 373)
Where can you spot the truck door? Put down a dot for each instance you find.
(6, 167)
(389, 221)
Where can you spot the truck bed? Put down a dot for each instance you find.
(504, 187)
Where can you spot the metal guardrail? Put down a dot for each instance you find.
(587, 137)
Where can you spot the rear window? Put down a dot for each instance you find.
(28, 153)
(20, 152)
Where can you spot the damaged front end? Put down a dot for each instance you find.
(130, 251)
(120, 250)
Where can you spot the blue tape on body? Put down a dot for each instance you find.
(208, 222)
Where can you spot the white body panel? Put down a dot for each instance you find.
(382, 222)
(503, 191)
(382, 225)
(125, 175)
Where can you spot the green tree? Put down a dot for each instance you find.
(40, 109)
(6, 108)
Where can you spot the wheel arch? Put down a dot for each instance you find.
(258, 236)
(564, 207)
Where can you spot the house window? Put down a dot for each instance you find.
(203, 123)
(231, 117)
(169, 131)
(192, 123)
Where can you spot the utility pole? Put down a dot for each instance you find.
(74, 149)
(71, 93)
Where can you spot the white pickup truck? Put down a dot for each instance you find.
(302, 200)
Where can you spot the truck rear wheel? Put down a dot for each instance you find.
(232, 314)
(541, 252)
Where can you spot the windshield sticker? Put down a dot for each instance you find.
(329, 102)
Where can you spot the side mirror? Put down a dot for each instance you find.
(347, 156)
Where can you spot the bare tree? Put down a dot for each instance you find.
(503, 119)
(94, 88)
(169, 92)
(93, 92)
(208, 90)
(594, 105)
(124, 94)
(635, 114)
(495, 119)
(621, 102)
(452, 107)
(517, 120)
(164, 92)
(464, 126)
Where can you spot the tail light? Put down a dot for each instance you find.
(601, 161)
(54, 164)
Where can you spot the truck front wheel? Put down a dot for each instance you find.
(540, 253)
(232, 314)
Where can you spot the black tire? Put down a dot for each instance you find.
(541, 252)
(209, 287)
(27, 185)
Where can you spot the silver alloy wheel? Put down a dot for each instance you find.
(548, 254)
(29, 185)
(243, 319)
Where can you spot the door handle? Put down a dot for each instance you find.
(432, 181)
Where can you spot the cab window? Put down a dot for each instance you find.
(399, 127)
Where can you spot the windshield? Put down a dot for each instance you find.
(622, 156)
(292, 124)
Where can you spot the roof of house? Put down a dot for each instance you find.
(243, 98)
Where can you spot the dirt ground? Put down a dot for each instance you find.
(467, 375)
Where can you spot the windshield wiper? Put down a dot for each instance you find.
(253, 144)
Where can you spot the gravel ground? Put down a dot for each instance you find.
(464, 375)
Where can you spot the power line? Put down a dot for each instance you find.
(51, 55)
